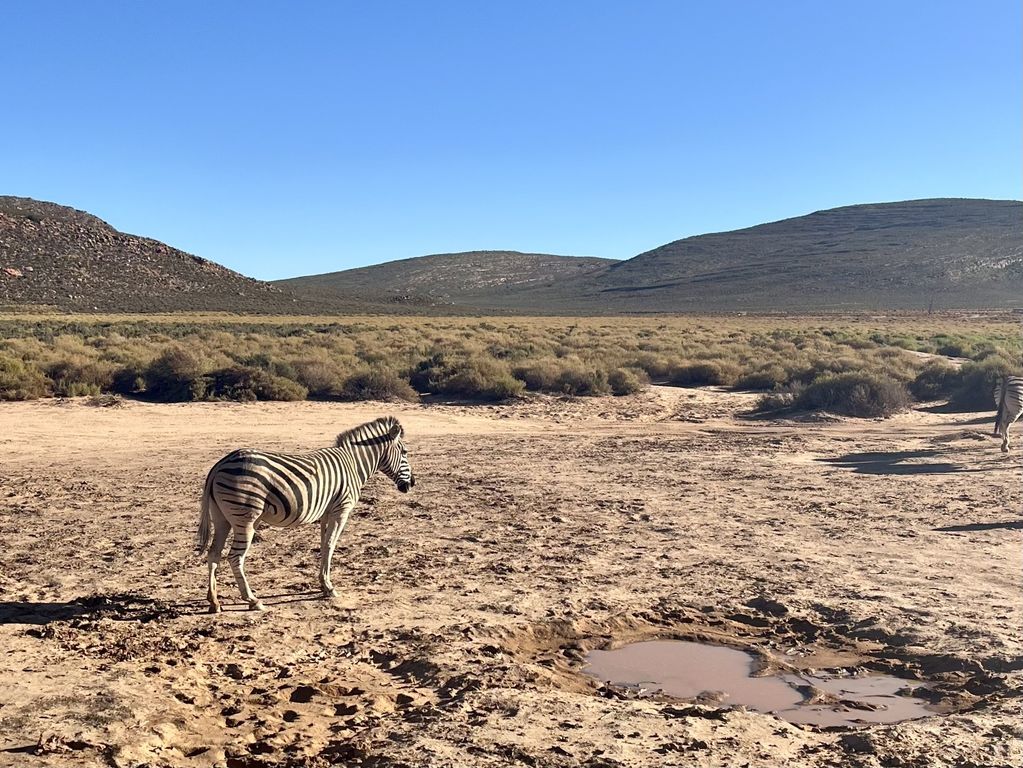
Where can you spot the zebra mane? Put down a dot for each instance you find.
(371, 430)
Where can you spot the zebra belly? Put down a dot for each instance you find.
(275, 517)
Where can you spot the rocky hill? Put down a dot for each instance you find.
(59, 257)
(473, 278)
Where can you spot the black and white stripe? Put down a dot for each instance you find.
(1009, 398)
(247, 487)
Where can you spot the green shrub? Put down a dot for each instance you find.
(473, 377)
(782, 398)
(73, 378)
(566, 376)
(377, 384)
(128, 380)
(321, 377)
(540, 375)
(627, 381)
(20, 380)
(769, 376)
(855, 394)
(177, 375)
(582, 380)
(265, 362)
(481, 379)
(935, 381)
(974, 390)
(247, 384)
(704, 373)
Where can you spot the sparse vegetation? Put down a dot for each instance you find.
(848, 365)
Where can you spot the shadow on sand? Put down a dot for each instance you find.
(126, 607)
(1007, 525)
(894, 463)
(123, 607)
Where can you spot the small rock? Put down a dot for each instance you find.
(303, 694)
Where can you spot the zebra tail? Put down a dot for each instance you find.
(202, 537)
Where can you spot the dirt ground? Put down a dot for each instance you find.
(536, 532)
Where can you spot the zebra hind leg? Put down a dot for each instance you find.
(221, 527)
(239, 547)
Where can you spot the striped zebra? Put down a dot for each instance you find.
(1009, 397)
(247, 487)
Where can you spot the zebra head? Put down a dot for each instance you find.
(394, 461)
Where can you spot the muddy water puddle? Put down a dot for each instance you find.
(715, 674)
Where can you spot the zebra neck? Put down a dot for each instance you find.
(365, 461)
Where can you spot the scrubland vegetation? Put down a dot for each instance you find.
(852, 365)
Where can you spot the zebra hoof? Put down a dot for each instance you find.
(257, 606)
(329, 593)
(215, 608)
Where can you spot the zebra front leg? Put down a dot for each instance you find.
(239, 547)
(221, 527)
(330, 531)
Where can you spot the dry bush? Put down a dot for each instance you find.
(20, 380)
(854, 394)
(770, 376)
(936, 381)
(567, 376)
(627, 381)
(976, 382)
(79, 376)
(476, 378)
(247, 384)
(378, 384)
(709, 372)
(128, 380)
(177, 375)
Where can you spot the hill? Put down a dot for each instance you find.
(944, 253)
(472, 278)
(55, 256)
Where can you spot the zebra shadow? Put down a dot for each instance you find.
(896, 463)
(123, 607)
(1008, 525)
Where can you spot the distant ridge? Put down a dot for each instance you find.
(471, 278)
(946, 253)
(59, 257)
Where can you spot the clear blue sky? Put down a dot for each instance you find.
(288, 138)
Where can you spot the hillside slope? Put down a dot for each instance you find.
(943, 253)
(472, 278)
(908, 255)
(55, 256)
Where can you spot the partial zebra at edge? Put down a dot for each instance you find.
(1008, 393)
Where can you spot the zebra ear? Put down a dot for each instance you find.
(395, 431)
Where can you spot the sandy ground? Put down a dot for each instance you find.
(536, 532)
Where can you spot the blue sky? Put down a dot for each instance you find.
(294, 138)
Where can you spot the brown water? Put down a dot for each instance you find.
(717, 674)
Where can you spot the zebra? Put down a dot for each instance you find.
(282, 490)
(1009, 397)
